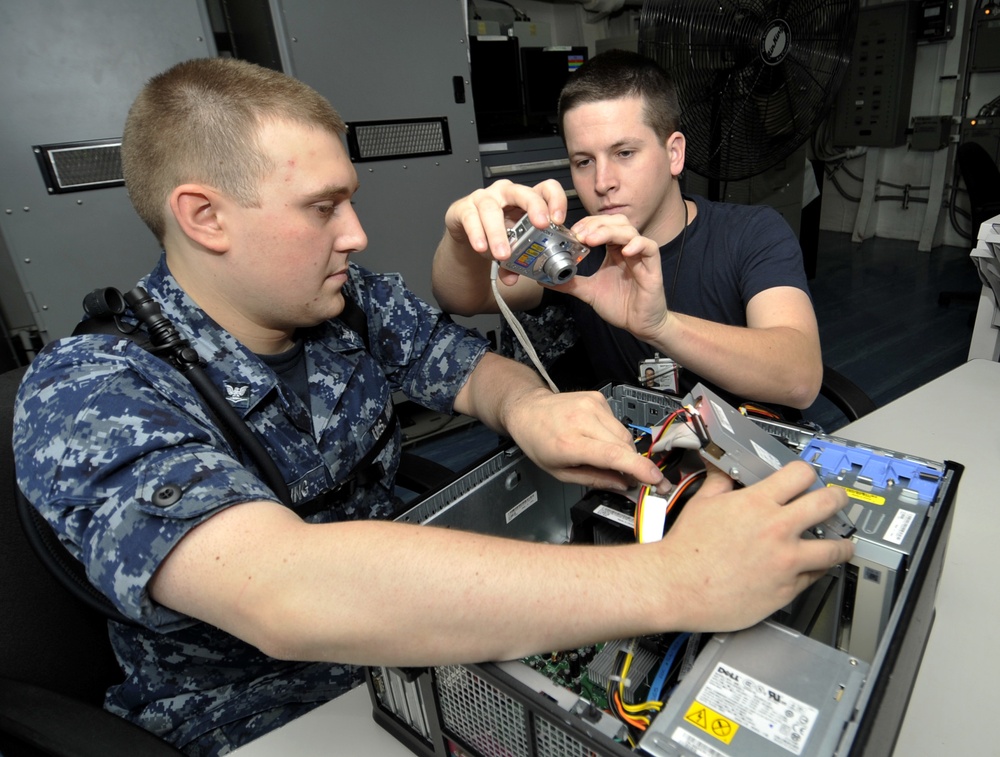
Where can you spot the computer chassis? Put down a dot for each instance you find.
(829, 675)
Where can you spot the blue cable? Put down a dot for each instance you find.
(656, 688)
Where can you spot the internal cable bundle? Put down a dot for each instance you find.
(651, 509)
(638, 715)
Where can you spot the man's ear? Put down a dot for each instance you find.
(676, 149)
(196, 208)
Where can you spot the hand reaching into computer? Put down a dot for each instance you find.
(733, 557)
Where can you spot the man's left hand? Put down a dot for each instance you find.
(627, 290)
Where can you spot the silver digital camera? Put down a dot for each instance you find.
(548, 255)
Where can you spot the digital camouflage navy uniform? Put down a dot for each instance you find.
(101, 425)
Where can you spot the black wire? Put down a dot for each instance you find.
(272, 476)
(831, 174)
(680, 252)
(519, 15)
(907, 187)
(184, 357)
(842, 166)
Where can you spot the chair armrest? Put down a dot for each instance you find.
(849, 398)
(35, 720)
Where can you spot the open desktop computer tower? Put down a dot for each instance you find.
(829, 674)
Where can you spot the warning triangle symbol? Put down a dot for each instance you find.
(699, 718)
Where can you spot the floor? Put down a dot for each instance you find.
(880, 321)
(880, 324)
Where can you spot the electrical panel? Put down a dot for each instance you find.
(66, 224)
(986, 39)
(930, 132)
(873, 106)
(936, 22)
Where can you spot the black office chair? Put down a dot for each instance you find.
(56, 660)
(845, 395)
(982, 181)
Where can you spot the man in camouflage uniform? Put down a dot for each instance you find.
(246, 611)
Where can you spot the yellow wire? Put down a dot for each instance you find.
(630, 708)
(639, 707)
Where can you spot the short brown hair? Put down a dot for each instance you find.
(199, 122)
(617, 74)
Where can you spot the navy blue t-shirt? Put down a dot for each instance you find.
(730, 254)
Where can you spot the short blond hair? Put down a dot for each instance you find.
(199, 122)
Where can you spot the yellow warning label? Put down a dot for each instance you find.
(711, 722)
(872, 499)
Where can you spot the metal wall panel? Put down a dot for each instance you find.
(70, 72)
(383, 60)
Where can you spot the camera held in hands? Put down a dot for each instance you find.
(548, 255)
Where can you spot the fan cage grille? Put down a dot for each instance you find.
(754, 79)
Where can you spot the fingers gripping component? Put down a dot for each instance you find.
(734, 443)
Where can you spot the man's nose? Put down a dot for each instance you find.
(353, 237)
(605, 178)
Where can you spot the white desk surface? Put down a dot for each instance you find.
(953, 706)
(955, 417)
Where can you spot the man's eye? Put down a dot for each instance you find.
(324, 210)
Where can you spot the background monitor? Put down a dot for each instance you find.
(496, 87)
(544, 71)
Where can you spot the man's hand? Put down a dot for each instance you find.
(482, 218)
(576, 437)
(735, 556)
(476, 234)
(627, 290)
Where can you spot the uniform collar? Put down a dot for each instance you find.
(242, 376)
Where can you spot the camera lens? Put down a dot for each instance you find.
(560, 268)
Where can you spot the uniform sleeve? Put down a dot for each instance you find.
(116, 452)
(423, 353)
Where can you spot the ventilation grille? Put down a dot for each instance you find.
(385, 140)
(481, 715)
(552, 741)
(75, 166)
(496, 725)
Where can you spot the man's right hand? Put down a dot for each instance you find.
(476, 234)
(735, 556)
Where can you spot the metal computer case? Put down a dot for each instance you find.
(495, 708)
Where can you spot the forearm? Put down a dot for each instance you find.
(496, 389)
(452, 596)
(779, 364)
(460, 279)
(379, 592)
(386, 593)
